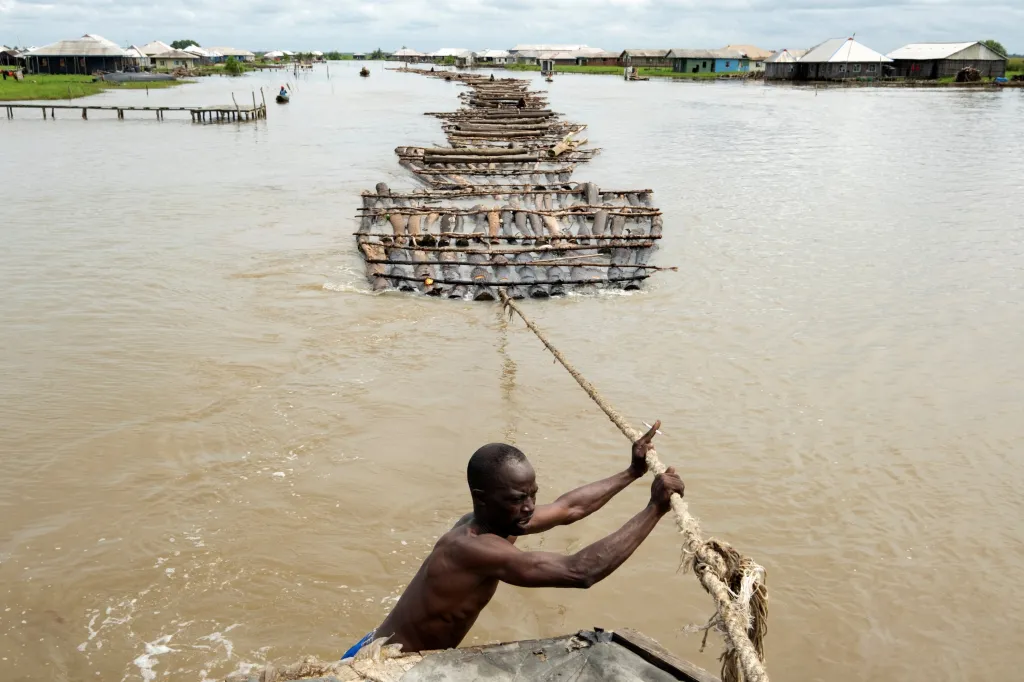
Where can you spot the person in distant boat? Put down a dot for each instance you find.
(284, 92)
(462, 572)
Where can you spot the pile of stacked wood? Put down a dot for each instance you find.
(500, 210)
(968, 74)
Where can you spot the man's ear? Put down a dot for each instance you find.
(478, 497)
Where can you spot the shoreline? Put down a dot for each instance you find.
(47, 88)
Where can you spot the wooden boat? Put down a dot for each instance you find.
(588, 656)
(364, 72)
(283, 99)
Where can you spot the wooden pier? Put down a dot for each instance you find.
(210, 114)
(500, 211)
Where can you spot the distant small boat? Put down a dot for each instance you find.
(364, 72)
(283, 99)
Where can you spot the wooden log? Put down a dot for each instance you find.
(519, 158)
(493, 224)
(399, 225)
(556, 281)
(472, 151)
(495, 135)
(501, 127)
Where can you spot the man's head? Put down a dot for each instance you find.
(504, 488)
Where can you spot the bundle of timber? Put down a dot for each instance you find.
(501, 212)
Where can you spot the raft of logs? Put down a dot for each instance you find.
(499, 209)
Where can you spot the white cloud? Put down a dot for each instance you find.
(610, 24)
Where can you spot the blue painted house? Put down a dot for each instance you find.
(731, 63)
(708, 61)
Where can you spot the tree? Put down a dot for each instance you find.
(377, 54)
(182, 44)
(233, 67)
(994, 45)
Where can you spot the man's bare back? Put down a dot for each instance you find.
(462, 572)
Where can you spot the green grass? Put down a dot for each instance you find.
(1015, 66)
(45, 87)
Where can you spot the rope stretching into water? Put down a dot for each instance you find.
(736, 583)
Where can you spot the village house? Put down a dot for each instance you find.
(459, 56)
(137, 57)
(942, 60)
(839, 59)
(493, 57)
(755, 55)
(532, 54)
(655, 59)
(11, 58)
(84, 55)
(782, 64)
(708, 61)
(163, 56)
(205, 56)
(600, 58)
(408, 55)
(238, 54)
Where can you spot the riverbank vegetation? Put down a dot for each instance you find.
(46, 87)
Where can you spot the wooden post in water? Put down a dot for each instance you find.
(84, 115)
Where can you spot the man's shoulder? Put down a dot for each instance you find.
(465, 543)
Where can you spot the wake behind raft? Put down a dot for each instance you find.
(499, 211)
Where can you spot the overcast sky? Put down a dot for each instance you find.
(360, 25)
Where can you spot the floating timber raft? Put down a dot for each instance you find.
(588, 656)
(499, 210)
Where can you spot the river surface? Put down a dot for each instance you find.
(218, 448)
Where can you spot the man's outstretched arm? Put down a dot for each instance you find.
(497, 558)
(582, 502)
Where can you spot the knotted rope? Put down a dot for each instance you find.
(736, 583)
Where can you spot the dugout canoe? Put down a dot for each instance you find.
(588, 656)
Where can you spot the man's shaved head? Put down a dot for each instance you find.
(504, 488)
(486, 464)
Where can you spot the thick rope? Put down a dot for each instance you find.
(735, 582)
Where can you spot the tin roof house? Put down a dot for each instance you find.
(84, 55)
(782, 64)
(943, 60)
(840, 59)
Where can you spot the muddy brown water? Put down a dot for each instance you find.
(218, 449)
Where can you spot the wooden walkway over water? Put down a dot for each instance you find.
(221, 113)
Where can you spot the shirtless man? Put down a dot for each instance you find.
(462, 572)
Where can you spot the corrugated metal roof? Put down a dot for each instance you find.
(89, 45)
(603, 54)
(752, 51)
(785, 56)
(837, 50)
(232, 52)
(406, 52)
(200, 52)
(493, 54)
(926, 51)
(655, 54)
(551, 48)
(682, 53)
(156, 47)
(173, 54)
(451, 52)
(135, 53)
